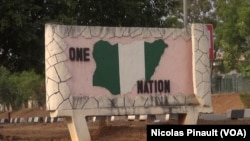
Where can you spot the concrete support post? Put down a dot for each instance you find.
(78, 127)
(189, 118)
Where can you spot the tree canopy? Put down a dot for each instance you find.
(22, 32)
(233, 35)
(22, 22)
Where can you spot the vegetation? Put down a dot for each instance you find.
(17, 88)
(22, 22)
(233, 35)
(22, 33)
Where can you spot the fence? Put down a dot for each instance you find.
(230, 83)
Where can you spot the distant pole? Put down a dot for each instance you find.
(185, 13)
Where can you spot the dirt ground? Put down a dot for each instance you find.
(113, 131)
(223, 102)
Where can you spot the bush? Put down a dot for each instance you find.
(17, 88)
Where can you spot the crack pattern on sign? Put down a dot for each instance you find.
(58, 93)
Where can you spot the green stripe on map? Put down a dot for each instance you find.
(153, 53)
(107, 66)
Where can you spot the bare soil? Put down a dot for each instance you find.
(224, 102)
(113, 131)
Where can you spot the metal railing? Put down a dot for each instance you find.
(230, 83)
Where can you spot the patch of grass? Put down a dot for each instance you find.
(245, 98)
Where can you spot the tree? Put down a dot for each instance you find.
(233, 36)
(22, 31)
(17, 36)
(202, 11)
(17, 88)
(6, 89)
(28, 84)
(22, 24)
(143, 13)
(22, 35)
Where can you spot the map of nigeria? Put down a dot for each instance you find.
(120, 66)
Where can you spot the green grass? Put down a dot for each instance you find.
(245, 98)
